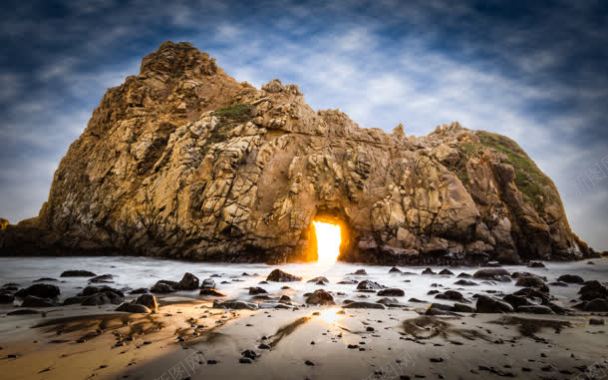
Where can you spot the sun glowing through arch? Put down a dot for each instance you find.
(328, 242)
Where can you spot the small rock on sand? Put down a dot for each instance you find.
(278, 275)
(77, 273)
(320, 297)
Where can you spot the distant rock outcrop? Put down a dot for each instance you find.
(183, 161)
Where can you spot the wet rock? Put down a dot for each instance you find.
(76, 300)
(211, 292)
(486, 304)
(348, 281)
(250, 354)
(6, 298)
(320, 297)
(278, 275)
(208, 283)
(592, 290)
(234, 304)
(439, 309)
(536, 264)
(360, 272)
(363, 305)
(77, 273)
(462, 308)
(321, 280)
(531, 293)
(33, 301)
(391, 292)
(516, 301)
(90, 290)
(255, 290)
(532, 282)
(446, 272)
(394, 270)
(133, 308)
(596, 321)
(451, 295)
(534, 309)
(368, 285)
(39, 290)
(46, 279)
(428, 271)
(389, 302)
(571, 279)
(559, 283)
(494, 274)
(102, 279)
(598, 304)
(285, 299)
(416, 300)
(148, 300)
(464, 282)
(102, 298)
(164, 287)
(464, 275)
(188, 282)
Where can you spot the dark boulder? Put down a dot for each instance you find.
(39, 290)
(495, 274)
(391, 292)
(463, 282)
(133, 308)
(147, 300)
(534, 309)
(486, 304)
(234, 304)
(571, 279)
(278, 275)
(255, 290)
(394, 270)
(320, 297)
(77, 273)
(363, 305)
(6, 298)
(164, 287)
(33, 301)
(592, 290)
(369, 285)
(320, 280)
(188, 282)
(102, 279)
(532, 282)
(598, 304)
(451, 295)
(212, 292)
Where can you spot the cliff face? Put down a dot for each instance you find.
(183, 161)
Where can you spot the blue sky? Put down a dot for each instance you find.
(535, 71)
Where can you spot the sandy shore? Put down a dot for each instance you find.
(192, 340)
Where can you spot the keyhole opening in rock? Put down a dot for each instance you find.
(329, 239)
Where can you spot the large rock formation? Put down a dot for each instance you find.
(183, 161)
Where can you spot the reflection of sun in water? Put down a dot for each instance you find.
(330, 316)
(328, 242)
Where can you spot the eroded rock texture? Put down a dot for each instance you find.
(183, 161)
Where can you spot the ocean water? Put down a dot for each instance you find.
(135, 272)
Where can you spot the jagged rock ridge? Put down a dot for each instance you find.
(183, 161)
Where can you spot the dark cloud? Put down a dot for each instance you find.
(537, 71)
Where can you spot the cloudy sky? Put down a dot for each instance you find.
(536, 71)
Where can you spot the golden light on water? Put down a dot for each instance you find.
(330, 316)
(328, 242)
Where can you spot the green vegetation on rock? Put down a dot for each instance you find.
(237, 112)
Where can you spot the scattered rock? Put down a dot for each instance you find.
(598, 304)
(208, 283)
(534, 309)
(320, 297)
(495, 274)
(446, 272)
(596, 321)
(536, 264)
(571, 279)
(360, 272)
(394, 270)
(102, 279)
(278, 275)
(46, 279)
(234, 304)
(163, 287)
(188, 282)
(486, 304)
(532, 282)
(451, 295)
(211, 292)
(462, 308)
(6, 298)
(255, 290)
(33, 301)
(391, 292)
(389, 302)
(464, 282)
(368, 285)
(77, 273)
(133, 308)
(364, 305)
(148, 300)
(592, 290)
(428, 271)
(39, 290)
(321, 280)
(139, 291)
